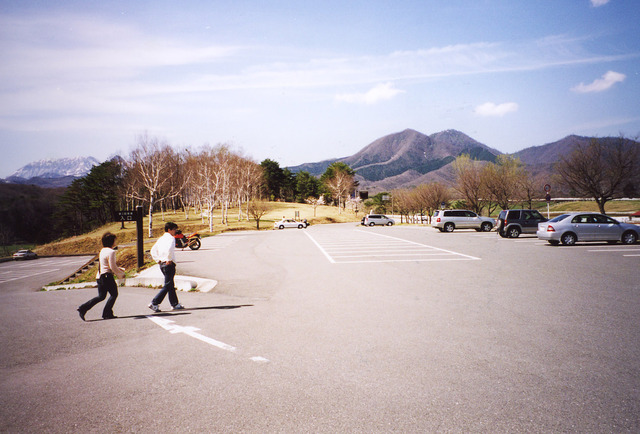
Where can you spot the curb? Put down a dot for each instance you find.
(151, 277)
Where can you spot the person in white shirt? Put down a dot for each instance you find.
(163, 252)
(107, 268)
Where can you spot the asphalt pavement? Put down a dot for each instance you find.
(338, 328)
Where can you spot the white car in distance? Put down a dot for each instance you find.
(290, 223)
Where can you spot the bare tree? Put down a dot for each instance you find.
(404, 202)
(421, 200)
(209, 180)
(340, 185)
(339, 180)
(469, 182)
(314, 202)
(431, 196)
(501, 180)
(530, 187)
(224, 168)
(417, 200)
(602, 169)
(257, 209)
(151, 169)
(188, 170)
(247, 181)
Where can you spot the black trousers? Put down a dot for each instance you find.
(169, 287)
(106, 284)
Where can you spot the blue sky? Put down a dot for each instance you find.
(303, 81)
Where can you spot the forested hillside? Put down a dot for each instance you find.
(26, 213)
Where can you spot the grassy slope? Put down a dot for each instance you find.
(614, 207)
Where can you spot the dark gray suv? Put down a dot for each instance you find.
(513, 222)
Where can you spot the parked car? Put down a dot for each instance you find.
(513, 222)
(571, 228)
(24, 254)
(446, 220)
(289, 223)
(378, 219)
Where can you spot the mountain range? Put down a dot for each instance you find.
(410, 158)
(400, 160)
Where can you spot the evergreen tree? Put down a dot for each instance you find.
(306, 186)
(90, 201)
(274, 179)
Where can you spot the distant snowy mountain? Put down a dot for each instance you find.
(58, 168)
(53, 172)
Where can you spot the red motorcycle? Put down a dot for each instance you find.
(192, 240)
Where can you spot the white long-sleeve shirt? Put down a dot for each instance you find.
(107, 260)
(164, 249)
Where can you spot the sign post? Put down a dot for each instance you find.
(135, 216)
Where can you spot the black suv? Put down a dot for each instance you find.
(513, 222)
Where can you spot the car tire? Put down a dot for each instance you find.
(568, 238)
(503, 234)
(281, 227)
(629, 237)
(513, 232)
(300, 226)
(486, 227)
(389, 224)
(372, 224)
(449, 227)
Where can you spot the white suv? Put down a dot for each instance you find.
(377, 219)
(446, 220)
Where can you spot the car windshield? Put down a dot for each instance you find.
(559, 218)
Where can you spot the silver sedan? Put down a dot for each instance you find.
(577, 227)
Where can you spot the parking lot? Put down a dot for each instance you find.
(342, 328)
(22, 269)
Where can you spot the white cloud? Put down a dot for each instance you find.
(381, 92)
(63, 65)
(499, 110)
(600, 84)
(597, 3)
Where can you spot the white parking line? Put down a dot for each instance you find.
(324, 252)
(23, 276)
(424, 245)
(169, 325)
(362, 248)
(621, 249)
(617, 250)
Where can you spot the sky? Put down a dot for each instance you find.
(304, 81)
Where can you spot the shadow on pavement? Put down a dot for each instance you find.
(184, 311)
